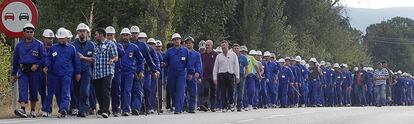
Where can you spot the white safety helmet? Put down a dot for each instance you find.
(202, 44)
(28, 25)
(345, 65)
(48, 33)
(175, 35)
(288, 58)
(307, 65)
(62, 33)
(151, 40)
(323, 63)
(142, 35)
(219, 50)
(336, 65)
(313, 60)
(158, 43)
(110, 30)
(125, 31)
(135, 29)
(252, 52)
(303, 62)
(355, 68)
(298, 58)
(82, 26)
(267, 54)
(281, 60)
(399, 72)
(69, 33)
(259, 53)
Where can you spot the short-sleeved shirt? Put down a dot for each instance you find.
(242, 63)
(103, 53)
(252, 63)
(380, 73)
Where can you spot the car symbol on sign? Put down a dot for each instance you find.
(24, 16)
(9, 16)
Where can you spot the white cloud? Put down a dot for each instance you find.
(377, 3)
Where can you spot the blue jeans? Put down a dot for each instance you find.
(380, 93)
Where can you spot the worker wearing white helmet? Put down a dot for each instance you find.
(64, 65)
(26, 63)
(314, 82)
(270, 68)
(110, 33)
(346, 84)
(251, 77)
(286, 80)
(152, 42)
(202, 46)
(48, 36)
(81, 89)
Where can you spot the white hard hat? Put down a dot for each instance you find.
(125, 31)
(287, 58)
(202, 44)
(259, 53)
(345, 65)
(82, 26)
(175, 35)
(355, 68)
(298, 59)
(69, 33)
(303, 62)
(110, 30)
(48, 33)
(142, 34)
(399, 72)
(307, 65)
(336, 65)
(158, 43)
(267, 53)
(281, 60)
(243, 48)
(218, 49)
(151, 40)
(28, 25)
(313, 60)
(252, 52)
(365, 68)
(323, 63)
(135, 29)
(62, 33)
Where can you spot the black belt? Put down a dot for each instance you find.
(26, 68)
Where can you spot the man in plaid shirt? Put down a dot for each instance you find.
(105, 55)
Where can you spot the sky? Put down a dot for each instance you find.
(377, 4)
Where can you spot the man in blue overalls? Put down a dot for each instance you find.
(28, 56)
(85, 50)
(294, 86)
(337, 82)
(270, 72)
(190, 99)
(303, 84)
(179, 69)
(346, 85)
(63, 64)
(286, 77)
(132, 66)
(328, 84)
(161, 79)
(48, 36)
(151, 65)
(370, 86)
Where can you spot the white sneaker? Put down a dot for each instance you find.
(246, 109)
(33, 114)
(250, 107)
(75, 112)
(45, 114)
(151, 111)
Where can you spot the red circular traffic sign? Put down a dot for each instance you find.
(16, 13)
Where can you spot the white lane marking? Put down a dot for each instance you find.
(16, 121)
(226, 123)
(301, 113)
(273, 116)
(246, 120)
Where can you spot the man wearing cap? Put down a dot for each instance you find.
(346, 85)
(48, 36)
(62, 64)
(180, 69)
(151, 65)
(208, 87)
(105, 55)
(28, 56)
(285, 78)
(190, 100)
(243, 63)
(337, 82)
(314, 82)
(85, 50)
(132, 67)
(268, 83)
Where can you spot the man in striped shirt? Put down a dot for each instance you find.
(104, 68)
(380, 78)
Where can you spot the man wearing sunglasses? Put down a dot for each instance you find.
(28, 55)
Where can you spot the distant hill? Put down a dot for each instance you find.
(361, 18)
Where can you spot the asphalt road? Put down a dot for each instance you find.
(344, 115)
